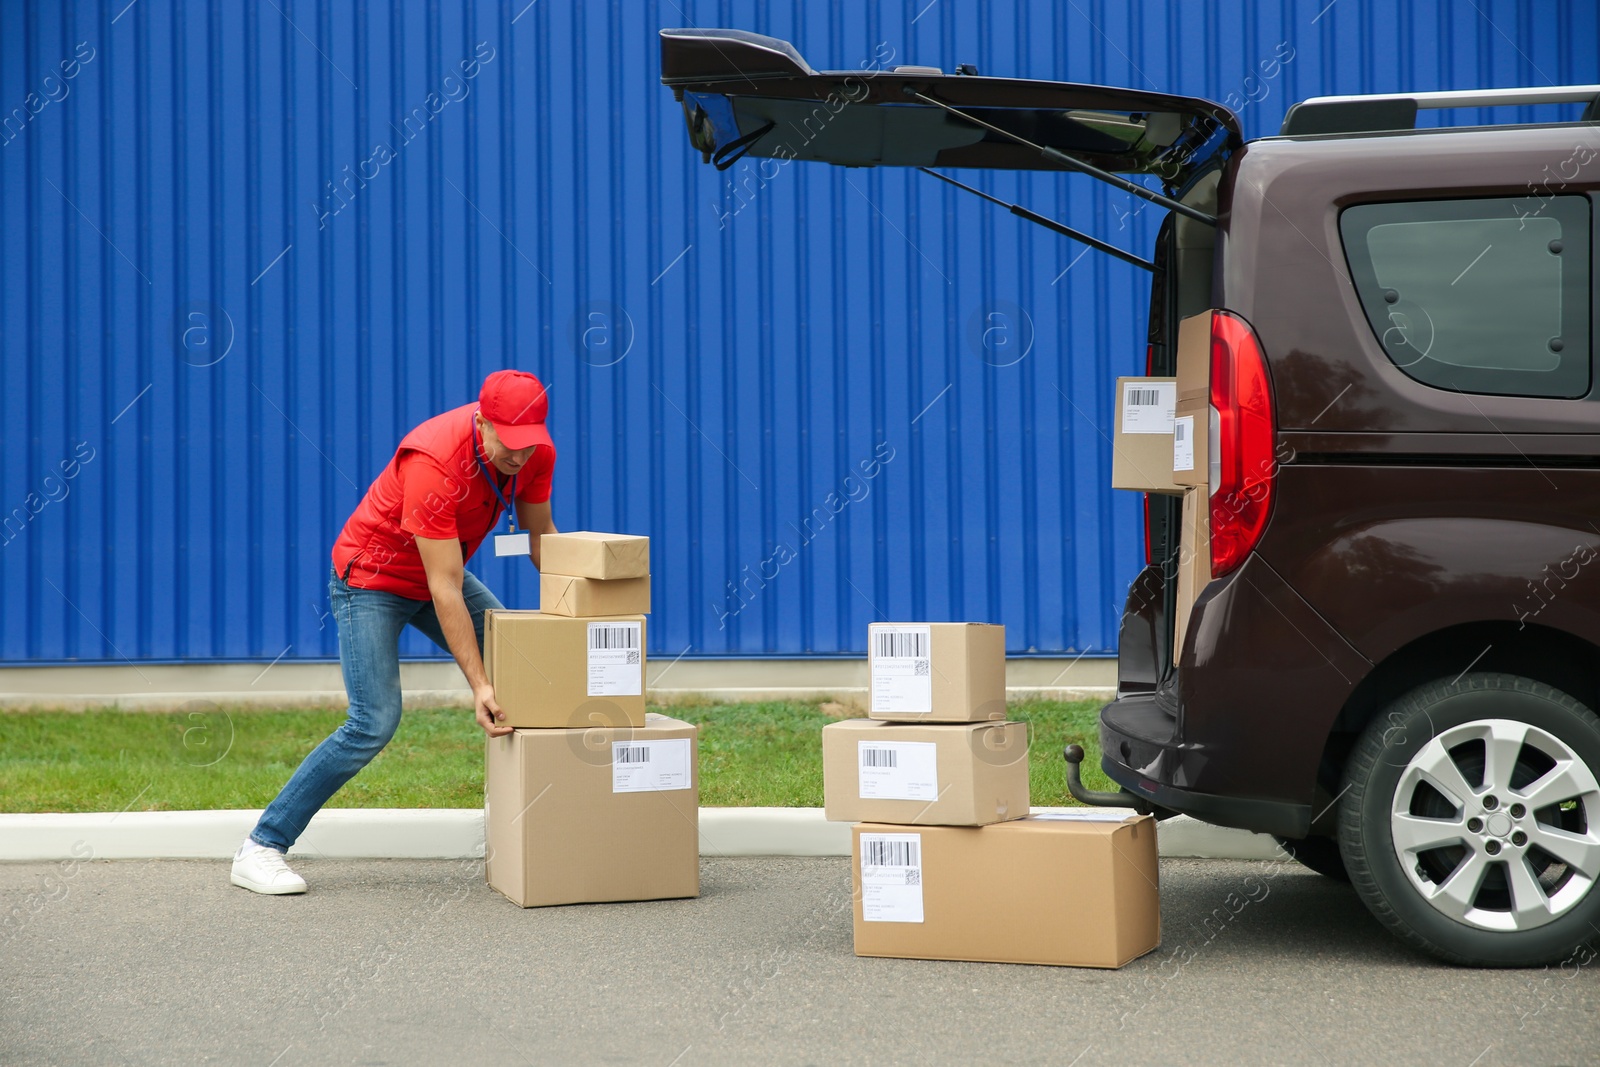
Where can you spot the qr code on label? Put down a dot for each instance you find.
(633, 657)
(913, 877)
(920, 668)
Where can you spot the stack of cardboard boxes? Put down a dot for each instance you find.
(1162, 445)
(947, 861)
(589, 799)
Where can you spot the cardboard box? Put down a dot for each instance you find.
(1141, 446)
(936, 672)
(1191, 442)
(1194, 532)
(586, 816)
(1077, 891)
(566, 594)
(1194, 356)
(940, 774)
(1194, 560)
(585, 554)
(555, 671)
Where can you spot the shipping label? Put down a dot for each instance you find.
(1183, 443)
(616, 659)
(897, 770)
(1147, 407)
(891, 878)
(901, 669)
(651, 766)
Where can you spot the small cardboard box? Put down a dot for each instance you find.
(1194, 356)
(1078, 890)
(939, 774)
(936, 672)
(1194, 560)
(555, 671)
(566, 594)
(1191, 442)
(585, 554)
(586, 816)
(1141, 447)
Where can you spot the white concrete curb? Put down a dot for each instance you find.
(344, 833)
(457, 833)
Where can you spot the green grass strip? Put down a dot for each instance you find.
(755, 755)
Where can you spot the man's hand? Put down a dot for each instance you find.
(488, 712)
(535, 518)
(442, 562)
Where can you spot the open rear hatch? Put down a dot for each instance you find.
(746, 94)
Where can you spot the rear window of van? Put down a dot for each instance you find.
(1478, 296)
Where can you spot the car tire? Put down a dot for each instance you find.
(1320, 854)
(1488, 784)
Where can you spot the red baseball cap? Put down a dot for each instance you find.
(514, 403)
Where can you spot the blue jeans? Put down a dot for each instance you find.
(369, 623)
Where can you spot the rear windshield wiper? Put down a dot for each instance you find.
(1049, 224)
(1058, 156)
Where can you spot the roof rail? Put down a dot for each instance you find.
(1398, 111)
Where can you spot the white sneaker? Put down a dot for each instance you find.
(264, 870)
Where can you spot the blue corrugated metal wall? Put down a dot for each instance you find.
(221, 304)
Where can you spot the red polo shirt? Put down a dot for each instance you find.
(433, 488)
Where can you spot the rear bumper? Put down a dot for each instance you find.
(1147, 767)
(1235, 734)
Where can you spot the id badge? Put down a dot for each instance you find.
(516, 544)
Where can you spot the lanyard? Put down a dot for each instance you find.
(477, 454)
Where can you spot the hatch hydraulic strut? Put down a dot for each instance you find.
(1058, 156)
(1049, 224)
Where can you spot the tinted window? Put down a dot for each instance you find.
(1479, 296)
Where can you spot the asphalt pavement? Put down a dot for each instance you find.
(406, 962)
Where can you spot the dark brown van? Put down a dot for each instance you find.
(1391, 659)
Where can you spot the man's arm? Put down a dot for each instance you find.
(535, 518)
(445, 569)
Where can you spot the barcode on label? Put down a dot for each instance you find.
(1143, 398)
(631, 753)
(879, 757)
(890, 854)
(625, 636)
(1180, 431)
(902, 644)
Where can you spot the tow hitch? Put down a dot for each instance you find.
(1121, 798)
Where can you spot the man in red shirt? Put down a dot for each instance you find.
(401, 560)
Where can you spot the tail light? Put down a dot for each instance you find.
(1243, 464)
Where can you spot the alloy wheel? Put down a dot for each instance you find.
(1496, 824)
